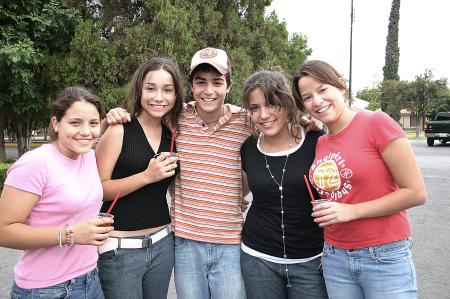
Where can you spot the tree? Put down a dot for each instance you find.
(426, 95)
(392, 57)
(33, 35)
(393, 96)
(110, 44)
(372, 95)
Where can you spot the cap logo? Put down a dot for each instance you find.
(208, 53)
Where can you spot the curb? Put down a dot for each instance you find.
(33, 145)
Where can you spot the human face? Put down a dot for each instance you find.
(269, 119)
(323, 101)
(158, 93)
(209, 89)
(78, 129)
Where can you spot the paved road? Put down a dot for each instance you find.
(430, 224)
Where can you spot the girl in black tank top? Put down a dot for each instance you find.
(135, 159)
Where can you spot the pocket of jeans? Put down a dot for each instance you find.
(14, 295)
(18, 292)
(394, 256)
(179, 242)
(56, 291)
(327, 250)
(108, 256)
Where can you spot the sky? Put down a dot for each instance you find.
(424, 35)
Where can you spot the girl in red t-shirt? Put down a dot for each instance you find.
(357, 167)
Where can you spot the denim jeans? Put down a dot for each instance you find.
(207, 270)
(264, 279)
(137, 273)
(384, 271)
(85, 286)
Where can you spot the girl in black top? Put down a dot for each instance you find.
(137, 260)
(281, 244)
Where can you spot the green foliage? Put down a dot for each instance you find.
(369, 94)
(372, 95)
(392, 56)
(426, 96)
(4, 166)
(112, 41)
(32, 33)
(392, 97)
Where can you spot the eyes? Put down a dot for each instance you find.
(257, 108)
(93, 123)
(202, 83)
(308, 97)
(166, 90)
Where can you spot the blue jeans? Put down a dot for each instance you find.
(264, 279)
(207, 270)
(85, 286)
(383, 271)
(137, 273)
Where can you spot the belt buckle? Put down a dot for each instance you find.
(146, 242)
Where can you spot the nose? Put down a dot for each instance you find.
(209, 88)
(85, 129)
(264, 112)
(317, 100)
(158, 95)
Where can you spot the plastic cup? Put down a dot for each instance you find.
(319, 201)
(103, 215)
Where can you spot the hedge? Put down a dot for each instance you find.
(4, 166)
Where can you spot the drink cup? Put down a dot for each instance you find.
(102, 215)
(319, 201)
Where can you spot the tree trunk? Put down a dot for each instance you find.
(2, 135)
(45, 134)
(23, 131)
(417, 125)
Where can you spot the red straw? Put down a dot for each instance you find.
(172, 140)
(113, 203)
(309, 188)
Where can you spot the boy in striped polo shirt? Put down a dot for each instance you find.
(206, 214)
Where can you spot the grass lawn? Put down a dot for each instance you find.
(411, 133)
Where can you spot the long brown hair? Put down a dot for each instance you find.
(135, 91)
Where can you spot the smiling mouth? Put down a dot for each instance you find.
(84, 141)
(267, 124)
(159, 107)
(323, 109)
(208, 100)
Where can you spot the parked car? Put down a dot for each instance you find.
(438, 129)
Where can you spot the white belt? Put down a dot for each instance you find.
(116, 242)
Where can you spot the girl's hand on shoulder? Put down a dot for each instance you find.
(333, 212)
(310, 123)
(118, 116)
(92, 232)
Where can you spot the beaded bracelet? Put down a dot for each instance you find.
(69, 235)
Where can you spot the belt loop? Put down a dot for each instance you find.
(118, 243)
(147, 242)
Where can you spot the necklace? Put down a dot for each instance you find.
(280, 187)
(216, 120)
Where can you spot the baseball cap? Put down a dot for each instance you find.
(216, 57)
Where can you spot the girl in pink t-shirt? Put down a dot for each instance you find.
(357, 168)
(50, 202)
